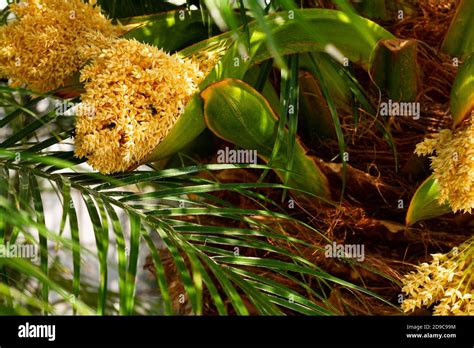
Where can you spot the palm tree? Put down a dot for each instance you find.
(225, 238)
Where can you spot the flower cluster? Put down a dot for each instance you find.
(446, 282)
(453, 165)
(40, 47)
(138, 92)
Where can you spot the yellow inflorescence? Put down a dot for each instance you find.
(137, 93)
(446, 282)
(40, 48)
(453, 165)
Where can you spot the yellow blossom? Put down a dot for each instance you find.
(40, 47)
(453, 165)
(446, 283)
(137, 92)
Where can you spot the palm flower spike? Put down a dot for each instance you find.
(452, 162)
(137, 92)
(446, 282)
